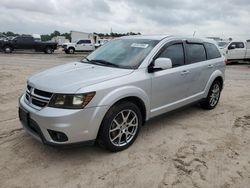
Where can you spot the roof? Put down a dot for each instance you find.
(152, 37)
(176, 37)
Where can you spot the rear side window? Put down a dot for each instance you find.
(195, 53)
(212, 51)
(175, 53)
(87, 41)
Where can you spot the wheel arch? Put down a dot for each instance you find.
(128, 93)
(138, 102)
(217, 75)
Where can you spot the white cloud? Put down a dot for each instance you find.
(208, 18)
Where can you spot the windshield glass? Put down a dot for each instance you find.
(122, 53)
(222, 44)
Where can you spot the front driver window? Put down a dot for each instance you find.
(175, 53)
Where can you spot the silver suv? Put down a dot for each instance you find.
(110, 94)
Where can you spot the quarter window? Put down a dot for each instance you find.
(195, 53)
(212, 51)
(175, 53)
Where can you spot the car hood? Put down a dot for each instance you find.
(71, 77)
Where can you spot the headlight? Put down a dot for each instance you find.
(71, 101)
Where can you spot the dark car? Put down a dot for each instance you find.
(27, 43)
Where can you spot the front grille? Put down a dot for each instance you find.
(39, 103)
(42, 93)
(37, 97)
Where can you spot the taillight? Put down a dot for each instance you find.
(225, 61)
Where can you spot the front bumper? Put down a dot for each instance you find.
(78, 125)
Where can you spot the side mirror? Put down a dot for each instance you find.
(163, 63)
(160, 64)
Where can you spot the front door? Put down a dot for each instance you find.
(236, 50)
(169, 86)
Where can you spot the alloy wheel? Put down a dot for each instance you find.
(215, 95)
(123, 128)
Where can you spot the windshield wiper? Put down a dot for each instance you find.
(103, 62)
(86, 59)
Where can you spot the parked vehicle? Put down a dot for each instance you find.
(237, 51)
(26, 42)
(101, 42)
(79, 46)
(110, 94)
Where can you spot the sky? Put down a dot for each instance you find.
(225, 18)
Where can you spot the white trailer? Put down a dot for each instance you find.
(78, 35)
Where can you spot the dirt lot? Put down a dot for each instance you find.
(187, 148)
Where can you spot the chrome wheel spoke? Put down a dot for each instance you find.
(214, 97)
(122, 133)
(120, 137)
(114, 129)
(117, 136)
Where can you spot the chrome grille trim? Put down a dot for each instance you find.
(35, 100)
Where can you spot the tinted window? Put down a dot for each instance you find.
(28, 39)
(212, 51)
(237, 44)
(175, 53)
(195, 53)
(87, 41)
(80, 42)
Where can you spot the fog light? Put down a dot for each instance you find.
(58, 136)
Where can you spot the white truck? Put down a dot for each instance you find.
(80, 45)
(236, 51)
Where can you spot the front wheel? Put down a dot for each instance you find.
(71, 50)
(120, 126)
(48, 50)
(213, 96)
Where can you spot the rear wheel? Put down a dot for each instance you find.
(48, 50)
(7, 49)
(213, 96)
(120, 126)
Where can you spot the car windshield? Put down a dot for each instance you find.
(222, 44)
(122, 53)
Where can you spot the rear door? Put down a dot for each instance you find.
(84, 45)
(28, 43)
(88, 45)
(199, 68)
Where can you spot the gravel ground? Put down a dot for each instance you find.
(190, 147)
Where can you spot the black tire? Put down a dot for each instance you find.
(213, 97)
(104, 137)
(48, 50)
(7, 49)
(71, 50)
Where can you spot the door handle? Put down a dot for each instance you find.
(210, 66)
(185, 72)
